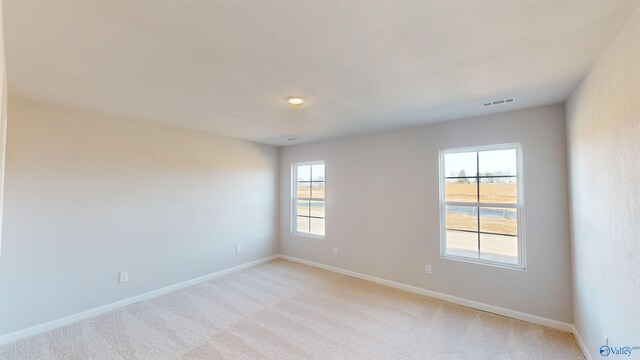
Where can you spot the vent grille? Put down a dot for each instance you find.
(498, 102)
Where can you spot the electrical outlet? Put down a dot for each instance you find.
(335, 251)
(238, 249)
(427, 269)
(124, 276)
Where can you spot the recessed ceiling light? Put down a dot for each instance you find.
(295, 100)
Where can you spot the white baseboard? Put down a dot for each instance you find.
(37, 329)
(581, 343)
(454, 299)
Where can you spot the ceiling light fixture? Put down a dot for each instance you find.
(295, 100)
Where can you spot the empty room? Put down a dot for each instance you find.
(339, 179)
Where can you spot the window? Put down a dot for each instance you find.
(308, 205)
(481, 205)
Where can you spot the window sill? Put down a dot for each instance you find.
(520, 267)
(307, 235)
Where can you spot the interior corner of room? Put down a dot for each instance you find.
(160, 153)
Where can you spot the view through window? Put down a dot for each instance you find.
(309, 199)
(481, 205)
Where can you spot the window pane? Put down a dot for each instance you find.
(309, 207)
(462, 218)
(317, 208)
(499, 220)
(303, 224)
(460, 164)
(461, 190)
(499, 190)
(302, 207)
(303, 190)
(317, 190)
(499, 248)
(317, 226)
(497, 162)
(462, 244)
(317, 172)
(304, 173)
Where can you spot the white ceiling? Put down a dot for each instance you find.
(362, 66)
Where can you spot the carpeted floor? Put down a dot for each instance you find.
(282, 310)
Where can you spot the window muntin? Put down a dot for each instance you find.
(481, 205)
(308, 200)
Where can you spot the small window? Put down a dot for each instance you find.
(481, 205)
(308, 200)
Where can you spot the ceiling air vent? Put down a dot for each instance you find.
(498, 102)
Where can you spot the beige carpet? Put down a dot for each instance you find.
(282, 310)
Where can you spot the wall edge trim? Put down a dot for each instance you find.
(53, 324)
(535, 319)
(582, 344)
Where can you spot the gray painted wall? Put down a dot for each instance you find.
(88, 196)
(382, 209)
(603, 119)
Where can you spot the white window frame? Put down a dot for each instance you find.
(519, 206)
(294, 197)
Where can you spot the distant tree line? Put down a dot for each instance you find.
(463, 179)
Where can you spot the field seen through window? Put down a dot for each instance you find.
(501, 244)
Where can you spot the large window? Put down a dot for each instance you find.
(481, 205)
(308, 205)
